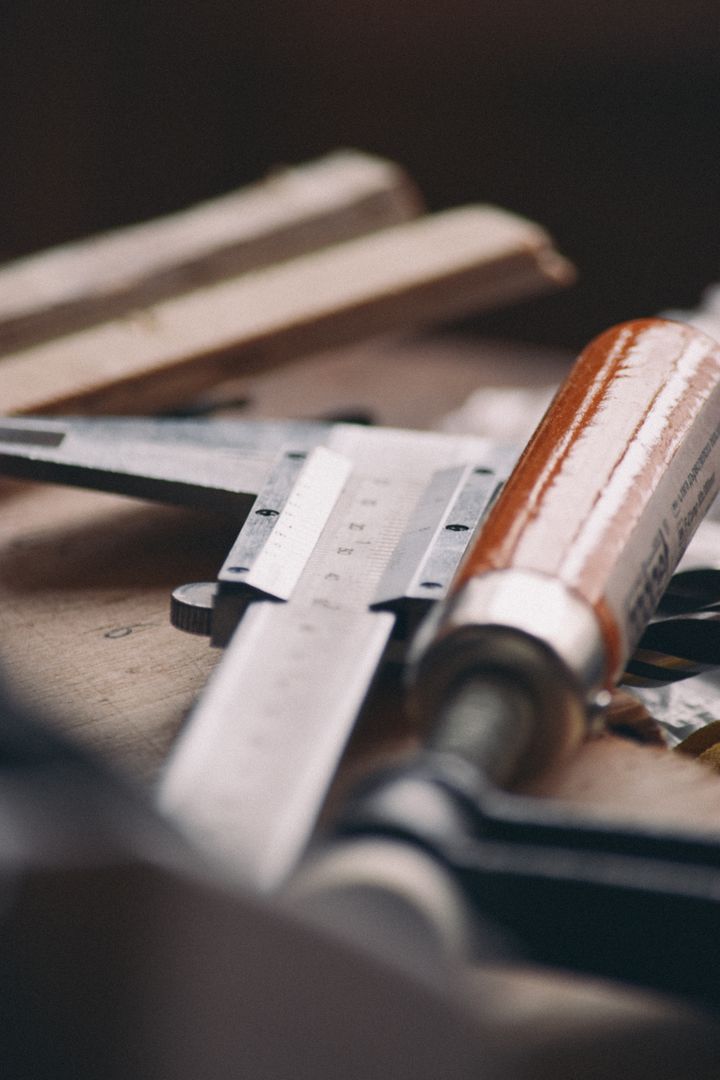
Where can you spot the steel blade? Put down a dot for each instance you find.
(216, 465)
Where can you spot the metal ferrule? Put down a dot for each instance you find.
(521, 628)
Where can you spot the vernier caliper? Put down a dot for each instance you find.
(349, 536)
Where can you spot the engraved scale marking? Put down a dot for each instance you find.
(248, 778)
(250, 771)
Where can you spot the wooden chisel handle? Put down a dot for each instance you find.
(564, 574)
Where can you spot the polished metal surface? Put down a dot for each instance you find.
(505, 631)
(426, 559)
(329, 508)
(248, 778)
(249, 774)
(220, 466)
(291, 510)
(537, 607)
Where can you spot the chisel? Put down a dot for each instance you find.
(552, 595)
(570, 564)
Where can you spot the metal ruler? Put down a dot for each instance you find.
(349, 534)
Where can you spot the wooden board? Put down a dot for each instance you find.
(293, 211)
(440, 266)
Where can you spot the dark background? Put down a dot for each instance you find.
(598, 120)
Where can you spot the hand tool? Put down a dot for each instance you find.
(353, 534)
(550, 599)
(573, 891)
(576, 554)
(349, 534)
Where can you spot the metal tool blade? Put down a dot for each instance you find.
(290, 512)
(216, 465)
(425, 561)
(249, 774)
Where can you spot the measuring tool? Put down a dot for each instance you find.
(350, 536)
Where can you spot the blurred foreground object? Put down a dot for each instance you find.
(122, 956)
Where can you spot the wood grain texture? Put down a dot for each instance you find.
(292, 211)
(84, 632)
(427, 270)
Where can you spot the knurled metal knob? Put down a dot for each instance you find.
(191, 607)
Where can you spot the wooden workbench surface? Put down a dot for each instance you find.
(85, 639)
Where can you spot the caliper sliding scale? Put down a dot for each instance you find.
(348, 535)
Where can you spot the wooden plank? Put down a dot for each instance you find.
(430, 269)
(294, 210)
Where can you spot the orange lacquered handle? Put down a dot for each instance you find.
(616, 478)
